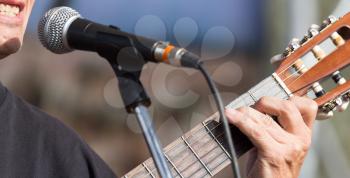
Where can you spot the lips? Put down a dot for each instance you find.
(12, 12)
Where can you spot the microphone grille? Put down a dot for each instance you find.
(53, 26)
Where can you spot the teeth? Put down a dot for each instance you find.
(9, 10)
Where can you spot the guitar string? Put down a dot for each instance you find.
(198, 129)
(284, 70)
(195, 160)
(195, 131)
(291, 75)
(221, 123)
(211, 143)
(212, 129)
(221, 134)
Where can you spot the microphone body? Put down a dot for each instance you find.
(62, 29)
(86, 35)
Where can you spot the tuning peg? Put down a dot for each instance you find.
(338, 78)
(331, 19)
(318, 89)
(305, 39)
(332, 105)
(337, 39)
(313, 30)
(286, 52)
(324, 116)
(293, 45)
(341, 104)
(346, 96)
(345, 105)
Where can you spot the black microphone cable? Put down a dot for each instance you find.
(220, 106)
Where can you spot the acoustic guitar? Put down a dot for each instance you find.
(202, 152)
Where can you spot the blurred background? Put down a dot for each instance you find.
(236, 37)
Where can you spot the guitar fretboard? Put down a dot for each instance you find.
(202, 152)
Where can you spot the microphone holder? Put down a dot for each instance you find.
(137, 101)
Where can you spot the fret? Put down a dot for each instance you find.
(189, 146)
(151, 166)
(206, 148)
(252, 96)
(282, 84)
(173, 165)
(138, 172)
(214, 158)
(221, 156)
(271, 86)
(184, 159)
(148, 170)
(243, 100)
(216, 140)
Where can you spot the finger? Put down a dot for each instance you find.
(287, 113)
(308, 109)
(256, 134)
(265, 121)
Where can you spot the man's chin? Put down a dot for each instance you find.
(10, 47)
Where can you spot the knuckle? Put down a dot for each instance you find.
(263, 101)
(267, 121)
(307, 103)
(243, 109)
(287, 107)
(300, 148)
(257, 134)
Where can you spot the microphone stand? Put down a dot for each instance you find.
(127, 64)
(137, 101)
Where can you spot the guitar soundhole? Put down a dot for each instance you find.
(241, 142)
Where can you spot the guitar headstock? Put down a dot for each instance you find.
(308, 64)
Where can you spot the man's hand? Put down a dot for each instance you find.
(280, 148)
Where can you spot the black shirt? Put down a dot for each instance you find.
(34, 144)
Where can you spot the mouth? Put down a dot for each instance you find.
(11, 11)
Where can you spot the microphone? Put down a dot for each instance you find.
(63, 29)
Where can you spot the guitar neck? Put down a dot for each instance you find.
(202, 152)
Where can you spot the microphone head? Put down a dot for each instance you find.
(53, 27)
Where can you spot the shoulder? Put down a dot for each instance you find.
(24, 117)
(42, 139)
